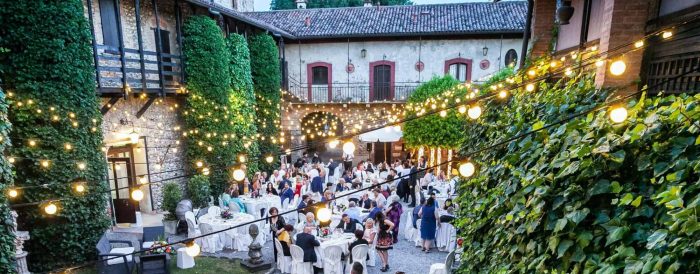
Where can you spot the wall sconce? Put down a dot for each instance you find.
(363, 53)
(486, 50)
(565, 12)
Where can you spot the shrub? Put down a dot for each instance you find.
(265, 70)
(208, 117)
(585, 196)
(433, 130)
(50, 62)
(172, 194)
(198, 190)
(242, 102)
(7, 237)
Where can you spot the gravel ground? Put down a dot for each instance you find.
(404, 257)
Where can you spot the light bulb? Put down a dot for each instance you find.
(11, 160)
(50, 209)
(331, 144)
(192, 249)
(462, 109)
(531, 72)
(639, 44)
(467, 169)
(443, 113)
(242, 158)
(13, 193)
(348, 147)
(530, 87)
(666, 34)
(81, 166)
(502, 94)
(324, 215)
(618, 114)
(205, 171)
(68, 146)
(474, 112)
(143, 180)
(45, 163)
(79, 187)
(599, 63)
(199, 164)
(134, 137)
(553, 64)
(269, 158)
(238, 174)
(32, 143)
(137, 195)
(618, 67)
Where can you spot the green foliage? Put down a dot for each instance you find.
(499, 77)
(585, 196)
(208, 117)
(49, 60)
(198, 190)
(265, 70)
(7, 237)
(242, 102)
(290, 4)
(172, 194)
(433, 130)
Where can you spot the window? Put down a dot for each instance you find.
(319, 75)
(459, 71)
(108, 15)
(511, 57)
(164, 46)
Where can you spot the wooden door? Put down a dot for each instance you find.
(121, 182)
(382, 83)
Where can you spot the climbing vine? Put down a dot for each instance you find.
(7, 237)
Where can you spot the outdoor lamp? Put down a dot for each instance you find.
(13, 193)
(618, 67)
(324, 214)
(618, 114)
(192, 249)
(348, 147)
(269, 159)
(486, 50)
(363, 53)
(565, 12)
(467, 169)
(137, 195)
(50, 208)
(238, 174)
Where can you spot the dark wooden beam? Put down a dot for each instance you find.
(139, 36)
(106, 107)
(178, 29)
(159, 44)
(121, 44)
(94, 43)
(145, 106)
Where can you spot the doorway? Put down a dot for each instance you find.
(121, 181)
(382, 83)
(382, 152)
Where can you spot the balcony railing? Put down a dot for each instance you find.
(352, 92)
(153, 73)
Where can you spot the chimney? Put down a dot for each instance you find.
(301, 4)
(368, 3)
(307, 21)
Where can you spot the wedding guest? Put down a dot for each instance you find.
(385, 241)
(393, 213)
(376, 208)
(359, 240)
(285, 239)
(340, 186)
(237, 201)
(307, 242)
(286, 193)
(347, 224)
(353, 211)
(276, 226)
(370, 233)
(270, 189)
(331, 167)
(365, 202)
(429, 223)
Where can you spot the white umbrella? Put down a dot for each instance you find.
(387, 134)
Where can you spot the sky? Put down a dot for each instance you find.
(263, 5)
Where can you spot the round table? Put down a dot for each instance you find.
(343, 241)
(237, 238)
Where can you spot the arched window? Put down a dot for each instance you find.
(511, 57)
(459, 68)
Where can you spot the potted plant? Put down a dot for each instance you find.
(171, 196)
(198, 190)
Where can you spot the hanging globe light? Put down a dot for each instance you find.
(618, 67)
(238, 174)
(137, 195)
(324, 215)
(349, 147)
(192, 249)
(618, 114)
(474, 112)
(467, 169)
(51, 208)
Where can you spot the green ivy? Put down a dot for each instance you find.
(242, 102)
(208, 118)
(433, 130)
(7, 237)
(198, 190)
(265, 70)
(585, 196)
(49, 61)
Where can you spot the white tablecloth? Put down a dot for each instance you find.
(237, 238)
(343, 242)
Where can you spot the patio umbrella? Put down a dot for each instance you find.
(387, 134)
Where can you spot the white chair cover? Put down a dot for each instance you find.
(331, 260)
(408, 229)
(192, 229)
(285, 203)
(284, 263)
(359, 226)
(359, 255)
(298, 264)
(301, 217)
(372, 250)
(214, 211)
(440, 268)
(233, 207)
(383, 174)
(416, 236)
(221, 201)
(446, 237)
(210, 244)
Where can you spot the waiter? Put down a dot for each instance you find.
(347, 160)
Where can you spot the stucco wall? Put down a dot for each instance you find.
(405, 54)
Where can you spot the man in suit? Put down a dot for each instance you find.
(286, 193)
(315, 159)
(301, 207)
(307, 242)
(317, 183)
(412, 183)
(349, 225)
(331, 167)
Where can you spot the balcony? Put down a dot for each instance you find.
(150, 72)
(352, 92)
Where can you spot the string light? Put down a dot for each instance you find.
(50, 208)
(79, 187)
(324, 214)
(666, 34)
(45, 163)
(192, 249)
(238, 174)
(13, 193)
(530, 87)
(474, 112)
(32, 143)
(618, 67)
(639, 44)
(199, 164)
(242, 158)
(68, 146)
(11, 160)
(331, 144)
(467, 169)
(82, 166)
(349, 147)
(269, 158)
(443, 113)
(462, 109)
(205, 171)
(502, 94)
(618, 114)
(137, 195)
(599, 63)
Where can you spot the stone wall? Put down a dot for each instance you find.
(158, 129)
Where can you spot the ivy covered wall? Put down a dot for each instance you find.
(265, 70)
(7, 237)
(49, 69)
(587, 195)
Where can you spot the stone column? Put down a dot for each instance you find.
(20, 254)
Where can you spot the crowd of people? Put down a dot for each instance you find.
(379, 190)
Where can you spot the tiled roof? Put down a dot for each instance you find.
(412, 20)
(240, 16)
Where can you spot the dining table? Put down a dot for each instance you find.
(237, 238)
(343, 240)
(265, 202)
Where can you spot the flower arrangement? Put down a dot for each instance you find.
(325, 232)
(226, 215)
(159, 247)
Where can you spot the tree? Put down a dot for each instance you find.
(49, 69)
(265, 71)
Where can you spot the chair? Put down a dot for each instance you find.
(359, 226)
(285, 203)
(214, 210)
(233, 207)
(153, 264)
(331, 260)
(301, 217)
(440, 268)
(298, 264)
(383, 174)
(221, 201)
(192, 229)
(284, 263)
(210, 244)
(409, 230)
(416, 236)
(152, 234)
(372, 251)
(114, 260)
(359, 255)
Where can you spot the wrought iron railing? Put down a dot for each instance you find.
(153, 73)
(352, 92)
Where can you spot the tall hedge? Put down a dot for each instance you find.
(7, 237)
(208, 117)
(50, 62)
(265, 69)
(242, 102)
(585, 196)
(433, 130)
